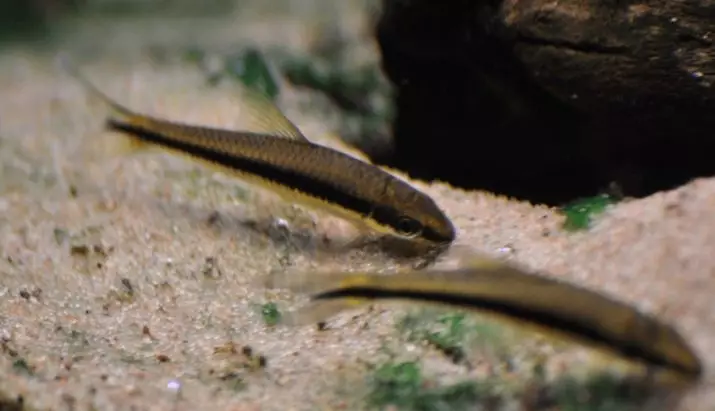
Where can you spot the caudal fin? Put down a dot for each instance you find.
(315, 283)
(74, 72)
(121, 114)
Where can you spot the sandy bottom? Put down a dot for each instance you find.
(147, 276)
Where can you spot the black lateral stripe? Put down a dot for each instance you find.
(570, 326)
(272, 172)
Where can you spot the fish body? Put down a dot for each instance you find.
(298, 170)
(509, 293)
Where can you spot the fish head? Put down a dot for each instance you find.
(416, 218)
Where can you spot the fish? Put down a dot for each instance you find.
(290, 165)
(506, 292)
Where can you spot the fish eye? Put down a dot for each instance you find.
(408, 226)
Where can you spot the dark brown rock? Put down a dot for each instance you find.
(548, 100)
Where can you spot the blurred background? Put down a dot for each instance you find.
(323, 46)
(483, 95)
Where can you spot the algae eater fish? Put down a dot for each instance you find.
(506, 292)
(290, 165)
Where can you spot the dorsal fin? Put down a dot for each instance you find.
(265, 117)
(261, 114)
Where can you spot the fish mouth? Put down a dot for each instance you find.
(421, 252)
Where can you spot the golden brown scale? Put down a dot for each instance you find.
(300, 171)
(507, 292)
(334, 177)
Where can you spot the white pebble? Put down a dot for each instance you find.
(174, 385)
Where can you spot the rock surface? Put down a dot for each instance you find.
(550, 100)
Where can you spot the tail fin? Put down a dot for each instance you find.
(315, 283)
(73, 71)
(319, 311)
(129, 143)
